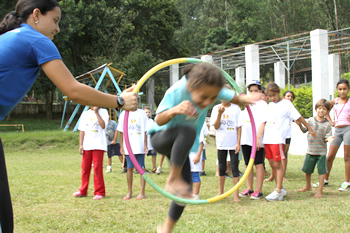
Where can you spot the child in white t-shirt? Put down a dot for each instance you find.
(196, 163)
(279, 111)
(137, 129)
(151, 151)
(259, 113)
(225, 118)
(92, 145)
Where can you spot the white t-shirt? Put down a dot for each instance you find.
(259, 113)
(277, 124)
(137, 126)
(150, 122)
(203, 134)
(198, 166)
(226, 134)
(95, 136)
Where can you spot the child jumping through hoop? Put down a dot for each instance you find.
(180, 117)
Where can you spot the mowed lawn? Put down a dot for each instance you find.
(44, 170)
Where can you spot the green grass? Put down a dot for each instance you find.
(44, 170)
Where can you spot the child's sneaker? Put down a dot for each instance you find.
(274, 196)
(159, 170)
(109, 171)
(154, 170)
(344, 187)
(284, 192)
(318, 184)
(246, 193)
(256, 195)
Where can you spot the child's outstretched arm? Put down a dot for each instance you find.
(245, 100)
(302, 128)
(328, 117)
(311, 131)
(184, 108)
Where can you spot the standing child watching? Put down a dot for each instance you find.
(341, 107)
(92, 145)
(317, 148)
(259, 113)
(151, 151)
(280, 111)
(205, 130)
(196, 164)
(181, 115)
(137, 131)
(113, 146)
(225, 118)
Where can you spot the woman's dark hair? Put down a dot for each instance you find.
(285, 93)
(22, 11)
(203, 74)
(341, 81)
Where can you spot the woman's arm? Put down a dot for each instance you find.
(80, 93)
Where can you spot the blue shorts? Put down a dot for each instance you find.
(140, 159)
(113, 149)
(195, 177)
(152, 153)
(204, 157)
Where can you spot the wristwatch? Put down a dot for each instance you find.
(120, 101)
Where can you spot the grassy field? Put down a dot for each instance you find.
(44, 171)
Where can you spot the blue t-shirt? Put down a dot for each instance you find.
(174, 96)
(22, 51)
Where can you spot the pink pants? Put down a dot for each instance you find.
(95, 157)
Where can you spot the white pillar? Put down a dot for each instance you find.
(333, 63)
(150, 93)
(252, 62)
(174, 73)
(280, 74)
(239, 73)
(319, 62)
(207, 58)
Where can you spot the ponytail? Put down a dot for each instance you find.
(9, 22)
(24, 8)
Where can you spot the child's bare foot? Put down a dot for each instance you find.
(269, 179)
(305, 189)
(178, 187)
(161, 229)
(318, 195)
(236, 200)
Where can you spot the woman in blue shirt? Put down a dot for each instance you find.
(25, 48)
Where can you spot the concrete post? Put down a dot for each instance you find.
(280, 74)
(240, 73)
(150, 94)
(333, 62)
(319, 64)
(174, 73)
(252, 63)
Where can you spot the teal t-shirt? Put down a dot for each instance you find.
(174, 96)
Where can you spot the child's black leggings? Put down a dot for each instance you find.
(176, 143)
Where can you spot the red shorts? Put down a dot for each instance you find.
(274, 151)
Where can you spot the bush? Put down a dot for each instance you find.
(303, 100)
